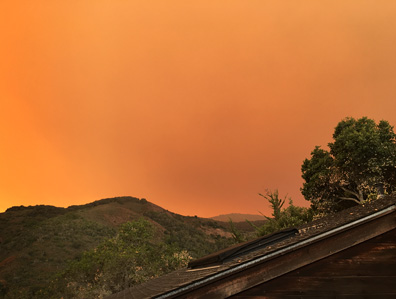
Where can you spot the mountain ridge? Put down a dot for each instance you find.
(38, 241)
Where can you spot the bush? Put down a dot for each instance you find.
(283, 218)
(133, 256)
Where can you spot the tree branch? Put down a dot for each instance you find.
(351, 198)
(350, 192)
(359, 196)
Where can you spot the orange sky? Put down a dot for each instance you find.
(195, 105)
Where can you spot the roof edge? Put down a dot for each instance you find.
(281, 251)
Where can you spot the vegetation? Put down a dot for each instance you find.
(133, 256)
(238, 236)
(200, 237)
(43, 244)
(38, 244)
(237, 217)
(360, 166)
(282, 218)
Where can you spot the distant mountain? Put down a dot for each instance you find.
(236, 217)
(36, 242)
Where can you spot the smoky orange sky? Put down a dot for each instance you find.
(195, 105)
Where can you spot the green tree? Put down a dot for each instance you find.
(275, 202)
(359, 166)
(282, 218)
(236, 234)
(133, 256)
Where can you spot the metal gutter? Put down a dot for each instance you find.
(279, 252)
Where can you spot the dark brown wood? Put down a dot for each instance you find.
(295, 259)
(348, 296)
(322, 286)
(365, 270)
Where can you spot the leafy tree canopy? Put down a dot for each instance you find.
(360, 165)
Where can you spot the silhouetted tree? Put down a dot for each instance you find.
(360, 165)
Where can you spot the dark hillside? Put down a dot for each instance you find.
(39, 241)
(236, 217)
(36, 244)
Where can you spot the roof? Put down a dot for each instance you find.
(238, 250)
(243, 266)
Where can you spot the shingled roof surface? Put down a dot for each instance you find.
(184, 278)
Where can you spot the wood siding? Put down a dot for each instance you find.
(366, 270)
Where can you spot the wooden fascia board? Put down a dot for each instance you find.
(287, 259)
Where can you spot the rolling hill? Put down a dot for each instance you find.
(39, 241)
